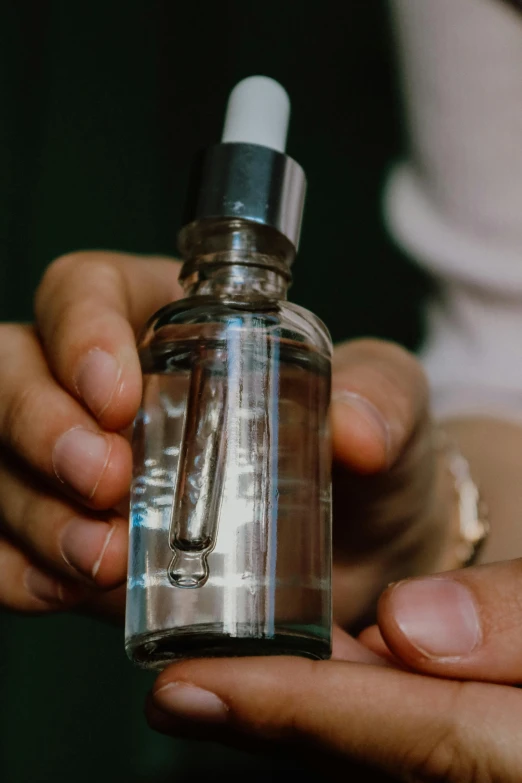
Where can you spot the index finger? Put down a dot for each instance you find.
(88, 309)
(402, 723)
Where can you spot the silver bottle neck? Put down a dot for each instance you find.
(251, 183)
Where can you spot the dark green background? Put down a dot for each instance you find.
(102, 107)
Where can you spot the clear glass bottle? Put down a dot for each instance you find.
(230, 539)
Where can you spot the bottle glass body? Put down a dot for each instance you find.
(230, 529)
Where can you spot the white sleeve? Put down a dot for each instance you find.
(456, 205)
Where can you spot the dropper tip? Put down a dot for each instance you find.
(258, 112)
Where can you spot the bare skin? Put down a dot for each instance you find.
(383, 701)
(71, 385)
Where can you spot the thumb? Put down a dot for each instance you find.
(465, 624)
(379, 400)
(389, 494)
(391, 720)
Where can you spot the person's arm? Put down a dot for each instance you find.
(454, 205)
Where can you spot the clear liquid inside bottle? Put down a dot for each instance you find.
(230, 541)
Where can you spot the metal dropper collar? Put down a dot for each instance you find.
(248, 176)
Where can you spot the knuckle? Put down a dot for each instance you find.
(88, 265)
(18, 416)
(59, 269)
(448, 753)
(371, 348)
(401, 368)
(15, 340)
(28, 511)
(38, 524)
(287, 718)
(439, 759)
(502, 611)
(63, 332)
(97, 278)
(394, 375)
(31, 511)
(12, 500)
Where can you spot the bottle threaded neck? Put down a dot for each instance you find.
(225, 256)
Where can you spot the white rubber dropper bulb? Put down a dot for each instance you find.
(258, 112)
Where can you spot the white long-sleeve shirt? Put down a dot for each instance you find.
(456, 204)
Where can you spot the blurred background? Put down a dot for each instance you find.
(103, 106)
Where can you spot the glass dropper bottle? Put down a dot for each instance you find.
(230, 529)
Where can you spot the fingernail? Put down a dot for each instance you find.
(190, 702)
(438, 616)
(79, 459)
(98, 379)
(368, 411)
(83, 544)
(43, 587)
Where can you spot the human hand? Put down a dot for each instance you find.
(393, 509)
(65, 467)
(69, 386)
(396, 714)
